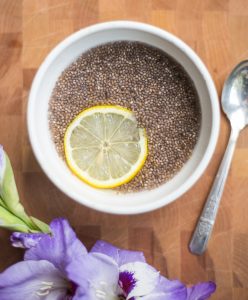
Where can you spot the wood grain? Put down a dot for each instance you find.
(217, 31)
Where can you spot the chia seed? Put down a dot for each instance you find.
(147, 81)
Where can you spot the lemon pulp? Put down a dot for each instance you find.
(104, 147)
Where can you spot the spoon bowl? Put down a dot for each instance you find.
(235, 96)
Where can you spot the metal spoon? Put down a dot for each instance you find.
(235, 104)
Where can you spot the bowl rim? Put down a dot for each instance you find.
(196, 174)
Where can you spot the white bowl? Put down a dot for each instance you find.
(55, 168)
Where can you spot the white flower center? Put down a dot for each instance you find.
(45, 289)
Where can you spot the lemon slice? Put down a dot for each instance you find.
(104, 147)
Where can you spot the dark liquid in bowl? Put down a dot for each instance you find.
(145, 80)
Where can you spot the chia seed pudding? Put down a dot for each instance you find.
(147, 81)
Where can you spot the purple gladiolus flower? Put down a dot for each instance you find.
(42, 275)
(57, 266)
(112, 274)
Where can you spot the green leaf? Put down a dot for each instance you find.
(9, 221)
(9, 194)
(2, 203)
(43, 227)
(12, 213)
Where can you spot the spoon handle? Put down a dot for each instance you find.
(206, 221)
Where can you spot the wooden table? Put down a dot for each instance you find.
(217, 31)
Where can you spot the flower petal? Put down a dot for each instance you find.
(167, 290)
(171, 289)
(25, 240)
(120, 256)
(58, 248)
(30, 279)
(96, 274)
(144, 278)
(201, 291)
